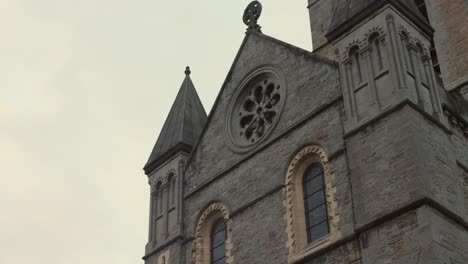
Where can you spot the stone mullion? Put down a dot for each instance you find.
(370, 75)
(417, 74)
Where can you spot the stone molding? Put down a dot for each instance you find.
(201, 243)
(297, 246)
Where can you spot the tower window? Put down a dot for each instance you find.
(378, 52)
(355, 57)
(172, 189)
(315, 203)
(218, 242)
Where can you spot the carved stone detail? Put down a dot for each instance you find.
(297, 249)
(255, 109)
(202, 233)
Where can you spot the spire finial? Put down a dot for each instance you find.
(251, 15)
(187, 71)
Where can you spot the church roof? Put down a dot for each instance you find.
(349, 12)
(183, 125)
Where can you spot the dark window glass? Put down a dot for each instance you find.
(218, 242)
(315, 203)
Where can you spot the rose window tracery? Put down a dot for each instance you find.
(259, 110)
(256, 109)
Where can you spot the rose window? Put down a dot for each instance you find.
(256, 110)
(259, 110)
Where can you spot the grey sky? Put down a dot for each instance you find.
(85, 88)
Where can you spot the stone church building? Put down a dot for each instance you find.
(355, 152)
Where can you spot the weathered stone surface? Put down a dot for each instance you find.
(400, 168)
(449, 18)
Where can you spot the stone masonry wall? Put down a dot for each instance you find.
(311, 83)
(449, 18)
(384, 164)
(262, 173)
(447, 239)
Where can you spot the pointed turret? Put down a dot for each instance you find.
(182, 128)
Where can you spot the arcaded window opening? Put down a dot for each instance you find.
(172, 189)
(356, 61)
(377, 52)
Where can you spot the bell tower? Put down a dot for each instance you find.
(383, 49)
(165, 171)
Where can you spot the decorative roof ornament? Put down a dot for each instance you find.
(187, 70)
(251, 15)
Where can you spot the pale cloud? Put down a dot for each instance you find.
(85, 88)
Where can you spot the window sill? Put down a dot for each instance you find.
(312, 247)
(360, 86)
(381, 73)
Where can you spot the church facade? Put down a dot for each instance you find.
(356, 152)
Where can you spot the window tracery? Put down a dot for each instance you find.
(256, 108)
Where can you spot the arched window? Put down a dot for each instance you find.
(356, 61)
(312, 220)
(159, 193)
(376, 51)
(172, 189)
(420, 50)
(406, 57)
(315, 203)
(213, 237)
(218, 242)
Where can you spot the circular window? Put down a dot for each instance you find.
(256, 108)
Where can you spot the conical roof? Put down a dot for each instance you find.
(183, 125)
(349, 12)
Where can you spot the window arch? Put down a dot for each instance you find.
(213, 239)
(310, 191)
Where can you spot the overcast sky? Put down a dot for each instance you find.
(85, 88)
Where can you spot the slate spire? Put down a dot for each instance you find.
(182, 128)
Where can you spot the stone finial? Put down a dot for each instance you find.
(187, 71)
(251, 15)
